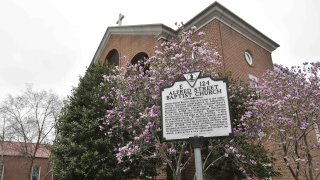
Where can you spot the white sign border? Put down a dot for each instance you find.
(182, 79)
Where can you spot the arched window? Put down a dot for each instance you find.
(113, 57)
(140, 59)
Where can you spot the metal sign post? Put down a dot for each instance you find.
(196, 144)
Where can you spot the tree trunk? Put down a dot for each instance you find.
(176, 176)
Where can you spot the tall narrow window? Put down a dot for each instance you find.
(196, 54)
(316, 129)
(35, 175)
(253, 81)
(267, 165)
(1, 171)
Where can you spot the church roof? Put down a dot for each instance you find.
(214, 11)
(10, 148)
(158, 30)
(219, 12)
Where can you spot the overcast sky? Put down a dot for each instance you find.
(49, 43)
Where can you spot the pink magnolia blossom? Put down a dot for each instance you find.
(286, 111)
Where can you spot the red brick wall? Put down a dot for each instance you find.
(129, 46)
(16, 168)
(232, 45)
(229, 43)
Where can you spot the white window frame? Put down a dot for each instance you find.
(2, 171)
(265, 165)
(268, 178)
(316, 130)
(253, 81)
(248, 57)
(38, 172)
(195, 55)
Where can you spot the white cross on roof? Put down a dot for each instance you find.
(119, 22)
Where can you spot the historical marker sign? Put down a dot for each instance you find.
(197, 106)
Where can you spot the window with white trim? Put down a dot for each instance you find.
(253, 81)
(196, 54)
(316, 129)
(1, 171)
(267, 165)
(35, 175)
(248, 57)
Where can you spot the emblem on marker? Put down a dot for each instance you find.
(191, 78)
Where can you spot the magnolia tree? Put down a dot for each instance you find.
(134, 124)
(237, 155)
(287, 112)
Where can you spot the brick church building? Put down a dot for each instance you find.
(15, 161)
(246, 52)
